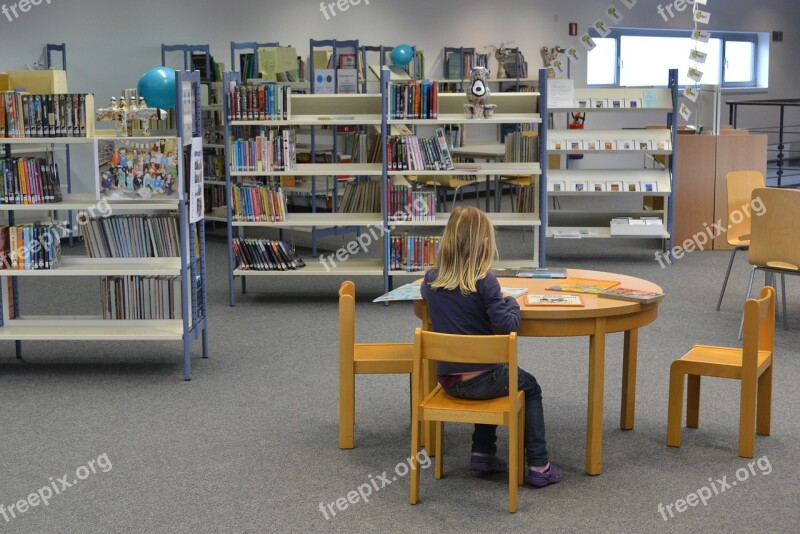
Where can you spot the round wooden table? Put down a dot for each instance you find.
(598, 317)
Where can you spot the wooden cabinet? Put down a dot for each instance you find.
(703, 161)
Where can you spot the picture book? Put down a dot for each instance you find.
(138, 168)
(412, 291)
(553, 300)
(633, 295)
(582, 285)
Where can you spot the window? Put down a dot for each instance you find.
(637, 57)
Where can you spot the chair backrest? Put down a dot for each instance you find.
(347, 319)
(464, 349)
(740, 186)
(759, 328)
(775, 229)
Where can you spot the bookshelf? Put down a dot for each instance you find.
(512, 108)
(584, 197)
(187, 268)
(371, 110)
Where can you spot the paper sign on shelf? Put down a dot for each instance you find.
(701, 36)
(196, 191)
(695, 74)
(601, 28)
(614, 14)
(573, 53)
(691, 94)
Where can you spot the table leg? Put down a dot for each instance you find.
(594, 416)
(629, 379)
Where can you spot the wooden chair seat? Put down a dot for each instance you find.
(722, 362)
(383, 358)
(439, 406)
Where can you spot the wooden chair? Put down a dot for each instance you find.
(361, 358)
(773, 242)
(438, 406)
(740, 186)
(752, 365)
(447, 183)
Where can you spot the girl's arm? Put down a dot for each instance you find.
(503, 312)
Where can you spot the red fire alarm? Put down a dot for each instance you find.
(573, 28)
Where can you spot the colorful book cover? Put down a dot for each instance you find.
(582, 285)
(139, 168)
(632, 295)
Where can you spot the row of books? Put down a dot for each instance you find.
(30, 247)
(43, 115)
(406, 204)
(361, 197)
(412, 153)
(258, 203)
(265, 255)
(458, 62)
(265, 153)
(413, 252)
(141, 297)
(526, 198)
(522, 147)
(131, 236)
(29, 181)
(250, 101)
(417, 99)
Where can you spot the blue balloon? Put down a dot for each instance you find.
(157, 86)
(402, 55)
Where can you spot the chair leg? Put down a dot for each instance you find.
(764, 403)
(727, 274)
(693, 401)
(438, 439)
(521, 472)
(347, 408)
(513, 465)
(749, 290)
(675, 409)
(783, 298)
(414, 483)
(747, 418)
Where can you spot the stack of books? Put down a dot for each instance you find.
(417, 99)
(413, 252)
(141, 297)
(265, 255)
(131, 236)
(265, 153)
(411, 153)
(31, 247)
(29, 181)
(37, 115)
(258, 203)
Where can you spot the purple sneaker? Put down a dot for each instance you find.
(551, 476)
(487, 464)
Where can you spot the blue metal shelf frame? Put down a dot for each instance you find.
(194, 297)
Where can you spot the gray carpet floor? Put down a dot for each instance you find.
(250, 444)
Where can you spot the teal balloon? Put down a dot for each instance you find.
(157, 86)
(402, 55)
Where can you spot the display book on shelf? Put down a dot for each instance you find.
(620, 202)
(174, 274)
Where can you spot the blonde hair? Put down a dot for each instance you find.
(466, 252)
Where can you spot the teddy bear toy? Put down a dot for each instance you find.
(477, 106)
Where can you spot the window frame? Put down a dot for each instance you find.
(724, 36)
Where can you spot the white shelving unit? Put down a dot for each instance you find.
(582, 200)
(191, 306)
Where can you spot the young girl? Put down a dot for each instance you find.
(464, 297)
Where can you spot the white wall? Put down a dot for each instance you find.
(110, 43)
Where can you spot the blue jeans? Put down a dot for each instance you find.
(494, 384)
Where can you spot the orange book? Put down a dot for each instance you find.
(582, 285)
